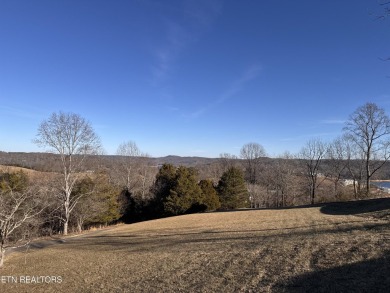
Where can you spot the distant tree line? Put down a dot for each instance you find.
(81, 191)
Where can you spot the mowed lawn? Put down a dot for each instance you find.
(342, 248)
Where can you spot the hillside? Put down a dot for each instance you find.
(32, 174)
(335, 247)
(49, 161)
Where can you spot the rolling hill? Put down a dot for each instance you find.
(339, 247)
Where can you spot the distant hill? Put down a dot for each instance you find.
(185, 161)
(49, 162)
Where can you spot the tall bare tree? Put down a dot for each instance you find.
(312, 155)
(369, 128)
(252, 154)
(134, 171)
(226, 161)
(355, 165)
(285, 179)
(73, 138)
(337, 159)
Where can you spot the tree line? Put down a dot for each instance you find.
(77, 196)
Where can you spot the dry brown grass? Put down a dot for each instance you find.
(11, 169)
(328, 248)
(32, 174)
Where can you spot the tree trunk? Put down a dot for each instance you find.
(368, 185)
(368, 171)
(2, 248)
(67, 209)
(80, 225)
(312, 197)
(313, 188)
(2, 256)
(66, 227)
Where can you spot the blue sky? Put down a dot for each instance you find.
(191, 78)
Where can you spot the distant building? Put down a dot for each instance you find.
(347, 182)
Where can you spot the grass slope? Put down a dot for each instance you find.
(323, 249)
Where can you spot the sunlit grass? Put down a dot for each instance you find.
(253, 250)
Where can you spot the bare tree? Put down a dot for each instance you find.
(369, 128)
(285, 179)
(355, 165)
(258, 195)
(147, 174)
(252, 154)
(73, 138)
(130, 154)
(134, 172)
(336, 155)
(312, 155)
(226, 161)
(19, 205)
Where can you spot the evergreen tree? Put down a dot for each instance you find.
(107, 194)
(232, 190)
(209, 195)
(185, 194)
(99, 203)
(165, 180)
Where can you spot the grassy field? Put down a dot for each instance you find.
(328, 248)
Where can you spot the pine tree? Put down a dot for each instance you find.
(165, 180)
(209, 195)
(232, 190)
(185, 192)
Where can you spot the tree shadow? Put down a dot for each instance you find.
(379, 207)
(174, 241)
(366, 276)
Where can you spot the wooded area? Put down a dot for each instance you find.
(75, 187)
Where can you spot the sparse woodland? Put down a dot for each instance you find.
(75, 187)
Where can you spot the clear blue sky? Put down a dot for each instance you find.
(191, 78)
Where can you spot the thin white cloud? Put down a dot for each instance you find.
(197, 17)
(177, 38)
(237, 86)
(332, 121)
(202, 12)
(249, 74)
(31, 113)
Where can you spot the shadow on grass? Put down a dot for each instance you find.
(332, 208)
(36, 245)
(299, 230)
(162, 242)
(381, 206)
(367, 276)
